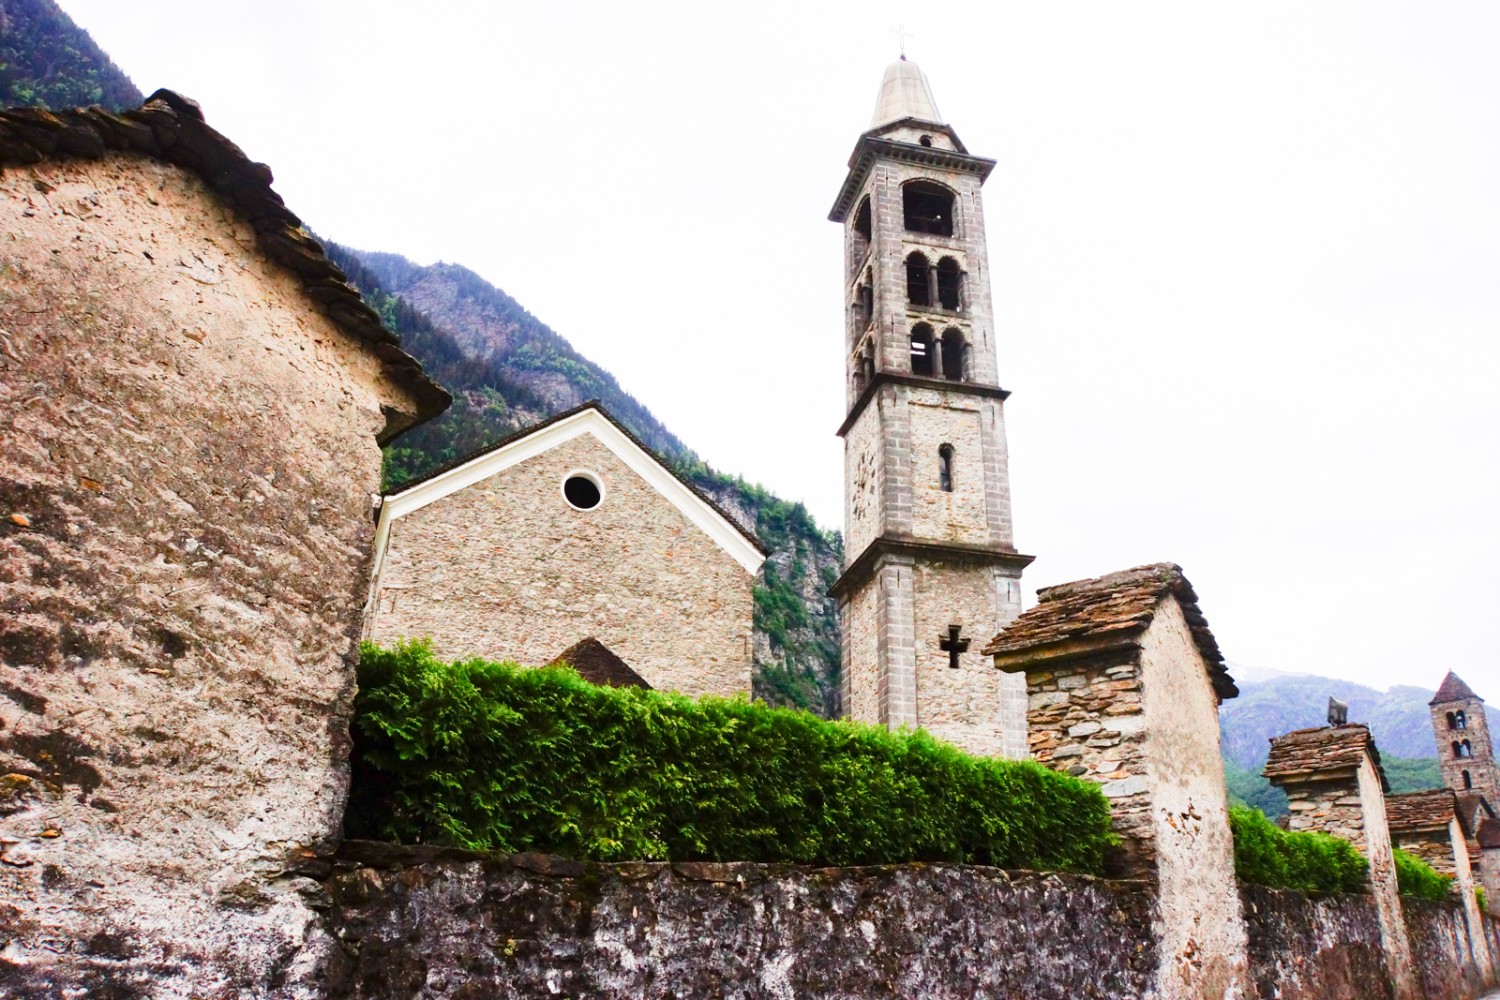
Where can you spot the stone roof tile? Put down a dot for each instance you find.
(171, 128)
(1110, 612)
(1433, 809)
(1325, 750)
(598, 664)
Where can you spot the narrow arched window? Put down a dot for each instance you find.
(1452, 721)
(949, 282)
(955, 356)
(945, 468)
(922, 349)
(918, 280)
(1460, 720)
(1463, 749)
(862, 228)
(1468, 781)
(927, 208)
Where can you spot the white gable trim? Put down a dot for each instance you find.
(589, 421)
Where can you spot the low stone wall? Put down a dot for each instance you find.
(1314, 947)
(431, 923)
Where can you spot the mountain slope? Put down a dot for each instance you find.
(47, 60)
(508, 370)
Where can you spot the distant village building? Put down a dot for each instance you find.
(192, 402)
(570, 540)
(931, 569)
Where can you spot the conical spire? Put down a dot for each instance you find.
(904, 93)
(1453, 688)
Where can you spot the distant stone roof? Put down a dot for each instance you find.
(1474, 810)
(1453, 688)
(1108, 613)
(1489, 834)
(1326, 750)
(598, 664)
(1412, 812)
(170, 128)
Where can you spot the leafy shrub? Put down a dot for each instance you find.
(494, 756)
(1267, 855)
(1416, 877)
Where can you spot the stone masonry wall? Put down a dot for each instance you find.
(507, 569)
(1314, 947)
(1085, 717)
(1327, 806)
(1445, 965)
(1431, 846)
(471, 927)
(189, 452)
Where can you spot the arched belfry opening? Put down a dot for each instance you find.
(923, 349)
(949, 284)
(955, 356)
(927, 208)
(918, 279)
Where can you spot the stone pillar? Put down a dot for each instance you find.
(1124, 683)
(1334, 785)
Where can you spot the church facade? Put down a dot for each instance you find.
(930, 561)
(569, 542)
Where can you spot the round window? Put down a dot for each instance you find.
(582, 490)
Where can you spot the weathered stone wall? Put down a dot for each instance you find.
(1085, 718)
(1432, 846)
(1314, 947)
(1447, 968)
(507, 569)
(1327, 806)
(536, 927)
(189, 452)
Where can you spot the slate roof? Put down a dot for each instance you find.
(1474, 810)
(1415, 811)
(1309, 753)
(598, 664)
(1453, 688)
(170, 128)
(592, 404)
(1111, 612)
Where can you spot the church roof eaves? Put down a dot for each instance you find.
(1453, 688)
(871, 147)
(591, 406)
(170, 128)
(1106, 614)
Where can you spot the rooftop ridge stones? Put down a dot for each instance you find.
(171, 128)
(1107, 614)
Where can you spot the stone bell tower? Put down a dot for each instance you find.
(1462, 732)
(930, 564)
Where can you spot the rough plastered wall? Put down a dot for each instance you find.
(976, 707)
(1448, 965)
(419, 926)
(959, 514)
(1200, 926)
(1376, 846)
(507, 569)
(1305, 947)
(189, 453)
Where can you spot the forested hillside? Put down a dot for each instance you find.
(47, 60)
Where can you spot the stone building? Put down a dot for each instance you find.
(1429, 826)
(1125, 682)
(569, 531)
(930, 562)
(1466, 755)
(192, 401)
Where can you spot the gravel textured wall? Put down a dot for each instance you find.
(436, 924)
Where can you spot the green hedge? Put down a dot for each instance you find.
(1416, 877)
(1268, 855)
(493, 756)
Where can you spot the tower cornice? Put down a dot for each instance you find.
(916, 382)
(871, 148)
(902, 545)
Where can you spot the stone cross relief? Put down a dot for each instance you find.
(953, 645)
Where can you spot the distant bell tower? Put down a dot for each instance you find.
(931, 572)
(1465, 752)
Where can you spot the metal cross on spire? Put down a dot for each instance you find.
(902, 37)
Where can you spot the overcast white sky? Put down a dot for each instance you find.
(1246, 257)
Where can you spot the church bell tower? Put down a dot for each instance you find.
(931, 571)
